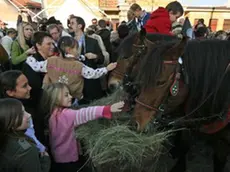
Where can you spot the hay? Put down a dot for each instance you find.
(112, 142)
(119, 144)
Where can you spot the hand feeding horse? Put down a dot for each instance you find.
(205, 70)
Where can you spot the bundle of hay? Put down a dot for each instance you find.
(114, 143)
(120, 146)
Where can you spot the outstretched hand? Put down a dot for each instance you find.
(117, 107)
(111, 66)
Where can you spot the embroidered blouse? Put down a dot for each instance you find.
(86, 72)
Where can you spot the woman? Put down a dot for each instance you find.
(22, 47)
(17, 151)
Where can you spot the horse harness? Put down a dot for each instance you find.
(140, 49)
(174, 90)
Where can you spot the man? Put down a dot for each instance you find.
(94, 21)
(201, 33)
(199, 24)
(141, 15)
(90, 49)
(7, 40)
(56, 32)
(104, 33)
(161, 19)
(2, 29)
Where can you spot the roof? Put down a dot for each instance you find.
(27, 3)
(207, 8)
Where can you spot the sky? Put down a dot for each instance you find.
(204, 2)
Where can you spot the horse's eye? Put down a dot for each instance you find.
(160, 83)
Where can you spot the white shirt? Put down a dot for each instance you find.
(6, 42)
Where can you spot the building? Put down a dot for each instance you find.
(114, 10)
(9, 10)
(218, 18)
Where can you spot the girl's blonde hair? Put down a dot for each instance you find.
(51, 97)
(21, 37)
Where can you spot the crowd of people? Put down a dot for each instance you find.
(46, 70)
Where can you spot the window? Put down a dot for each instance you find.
(226, 25)
(213, 24)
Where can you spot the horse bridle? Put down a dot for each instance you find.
(140, 49)
(174, 89)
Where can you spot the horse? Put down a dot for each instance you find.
(203, 67)
(129, 52)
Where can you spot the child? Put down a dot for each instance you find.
(161, 19)
(17, 151)
(68, 69)
(14, 84)
(63, 120)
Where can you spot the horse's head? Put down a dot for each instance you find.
(130, 50)
(158, 77)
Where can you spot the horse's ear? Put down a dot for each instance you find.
(142, 33)
(177, 50)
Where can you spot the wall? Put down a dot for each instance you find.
(207, 16)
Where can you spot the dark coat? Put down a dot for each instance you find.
(35, 80)
(21, 155)
(92, 87)
(105, 36)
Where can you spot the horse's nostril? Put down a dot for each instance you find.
(112, 87)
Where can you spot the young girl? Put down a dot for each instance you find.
(17, 151)
(14, 84)
(63, 121)
(68, 69)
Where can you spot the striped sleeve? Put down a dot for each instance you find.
(91, 113)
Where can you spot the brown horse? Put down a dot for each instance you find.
(160, 81)
(205, 70)
(129, 53)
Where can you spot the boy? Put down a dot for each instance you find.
(161, 19)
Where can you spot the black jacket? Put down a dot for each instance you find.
(21, 155)
(92, 87)
(35, 81)
(105, 36)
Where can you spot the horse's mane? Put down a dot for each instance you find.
(124, 50)
(205, 63)
(160, 37)
(151, 65)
